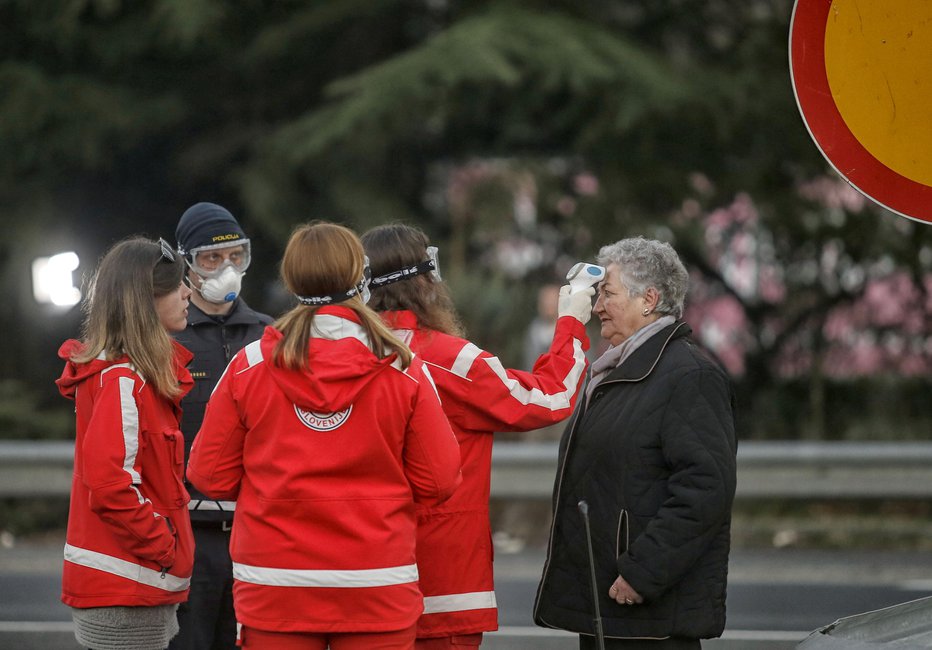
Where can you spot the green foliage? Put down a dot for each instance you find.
(183, 22)
(70, 120)
(25, 517)
(879, 408)
(22, 416)
(854, 524)
(116, 116)
(496, 312)
(504, 49)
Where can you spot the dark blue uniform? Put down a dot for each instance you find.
(207, 619)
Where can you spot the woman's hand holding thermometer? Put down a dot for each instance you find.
(576, 297)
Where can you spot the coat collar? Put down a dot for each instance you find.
(643, 360)
(240, 314)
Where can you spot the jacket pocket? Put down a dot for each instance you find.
(163, 483)
(184, 545)
(622, 534)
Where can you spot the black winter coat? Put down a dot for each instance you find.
(653, 454)
(213, 342)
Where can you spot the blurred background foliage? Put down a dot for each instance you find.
(521, 135)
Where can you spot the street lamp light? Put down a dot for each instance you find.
(52, 283)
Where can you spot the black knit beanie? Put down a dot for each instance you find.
(207, 224)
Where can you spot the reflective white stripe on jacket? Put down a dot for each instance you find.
(272, 577)
(124, 569)
(128, 520)
(460, 602)
(326, 464)
(480, 397)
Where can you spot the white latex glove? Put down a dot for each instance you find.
(578, 305)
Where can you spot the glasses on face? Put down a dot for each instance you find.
(167, 253)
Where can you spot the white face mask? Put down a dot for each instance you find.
(225, 287)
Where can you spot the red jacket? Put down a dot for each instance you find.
(480, 397)
(129, 539)
(325, 465)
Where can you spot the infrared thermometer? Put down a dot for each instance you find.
(584, 275)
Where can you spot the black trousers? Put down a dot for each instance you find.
(673, 643)
(207, 620)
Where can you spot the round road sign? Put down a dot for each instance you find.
(862, 74)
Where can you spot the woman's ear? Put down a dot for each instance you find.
(651, 298)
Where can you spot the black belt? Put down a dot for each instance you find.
(225, 525)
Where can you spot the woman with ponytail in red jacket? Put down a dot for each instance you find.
(327, 432)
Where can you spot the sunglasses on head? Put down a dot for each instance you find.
(167, 253)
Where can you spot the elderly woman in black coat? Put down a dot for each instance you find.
(651, 449)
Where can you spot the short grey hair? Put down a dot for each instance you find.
(645, 263)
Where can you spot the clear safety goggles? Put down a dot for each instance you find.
(433, 254)
(210, 261)
(430, 265)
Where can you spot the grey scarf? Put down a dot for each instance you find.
(616, 355)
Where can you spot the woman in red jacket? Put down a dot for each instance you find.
(480, 396)
(326, 432)
(129, 547)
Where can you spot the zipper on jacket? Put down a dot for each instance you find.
(226, 343)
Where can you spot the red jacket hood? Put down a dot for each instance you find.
(75, 373)
(340, 362)
(400, 320)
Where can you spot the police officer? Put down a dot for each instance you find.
(220, 323)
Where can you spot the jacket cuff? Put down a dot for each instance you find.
(570, 326)
(635, 576)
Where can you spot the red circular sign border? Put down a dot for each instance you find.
(832, 136)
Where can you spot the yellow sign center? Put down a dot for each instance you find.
(878, 59)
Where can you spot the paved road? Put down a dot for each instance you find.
(784, 593)
(771, 589)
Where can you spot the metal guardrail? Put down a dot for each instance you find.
(766, 470)
(35, 468)
(777, 470)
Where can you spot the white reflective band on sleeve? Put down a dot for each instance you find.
(254, 357)
(130, 424)
(537, 397)
(430, 378)
(465, 359)
(254, 353)
(258, 575)
(205, 504)
(460, 602)
(124, 569)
